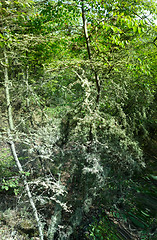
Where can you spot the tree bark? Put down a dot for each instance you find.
(89, 51)
(12, 145)
(6, 84)
(85, 30)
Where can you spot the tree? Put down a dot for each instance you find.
(84, 66)
(99, 128)
(5, 36)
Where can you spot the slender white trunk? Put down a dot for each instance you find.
(6, 83)
(12, 145)
(27, 85)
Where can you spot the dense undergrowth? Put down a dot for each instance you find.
(78, 119)
(132, 216)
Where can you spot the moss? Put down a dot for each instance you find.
(11, 221)
(27, 227)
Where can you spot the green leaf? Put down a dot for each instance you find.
(5, 187)
(154, 177)
(135, 29)
(129, 23)
(145, 214)
(139, 30)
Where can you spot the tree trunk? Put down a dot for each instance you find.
(6, 84)
(12, 145)
(89, 52)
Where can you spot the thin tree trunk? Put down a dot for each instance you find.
(27, 85)
(89, 52)
(85, 30)
(97, 81)
(25, 79)
(6, 84)
(12, 146)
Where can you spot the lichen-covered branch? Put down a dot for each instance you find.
(12, 145)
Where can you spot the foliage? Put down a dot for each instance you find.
(8, 172)
(102, 229)
(6, 163)
(82, 80)
(10, 184)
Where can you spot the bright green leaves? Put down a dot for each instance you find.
(139, 67)
(129, 24)
(114, 29)
(12, 183)
(114, 34)
(109, 27)
(58, 16)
